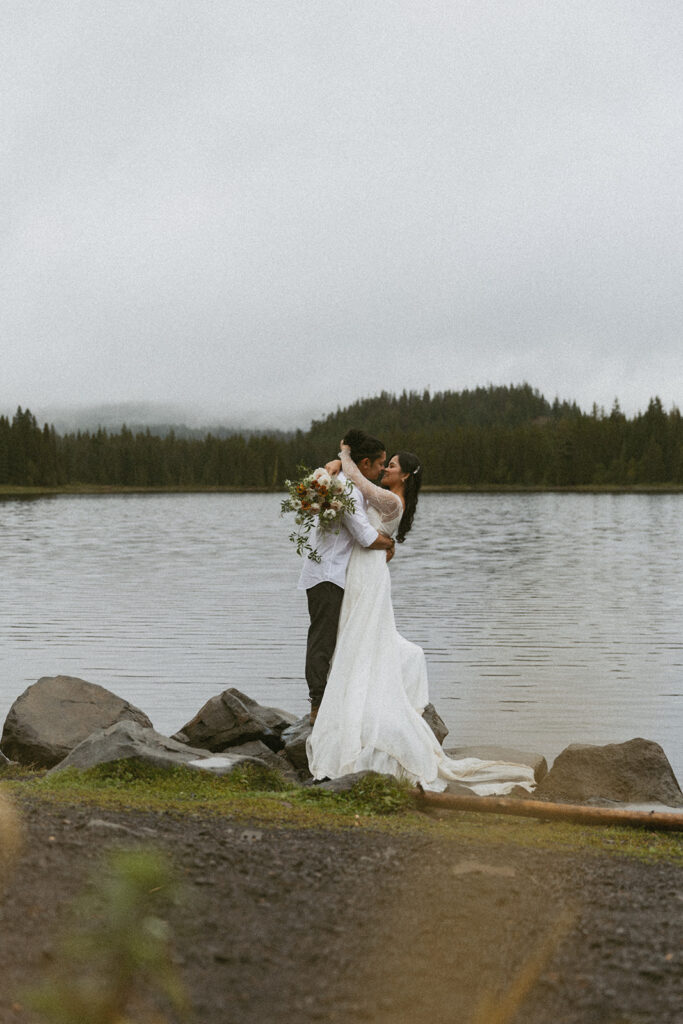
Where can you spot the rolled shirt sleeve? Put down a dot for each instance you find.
(358, 524)
(334, 547)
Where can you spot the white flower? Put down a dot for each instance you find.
(329, 513)
(322, 477)
(335, 506)
(315, 508)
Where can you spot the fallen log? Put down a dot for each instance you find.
(577, 813)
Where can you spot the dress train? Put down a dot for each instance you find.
(371, 713)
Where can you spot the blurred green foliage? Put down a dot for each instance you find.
(114, 965)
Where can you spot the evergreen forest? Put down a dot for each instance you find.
(485, 437)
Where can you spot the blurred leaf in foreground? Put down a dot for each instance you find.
(114, 965)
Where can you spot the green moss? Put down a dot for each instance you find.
(138, 775)
(257, 794)
(371, 795)
(13, 772)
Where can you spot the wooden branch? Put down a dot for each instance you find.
(550, 811)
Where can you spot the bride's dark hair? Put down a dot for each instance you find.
(363, 446)
(411, 465)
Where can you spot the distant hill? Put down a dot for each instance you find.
(415, 412)
(381, 414)
(504, 436)
(158, 418)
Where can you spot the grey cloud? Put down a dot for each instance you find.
(276, 208)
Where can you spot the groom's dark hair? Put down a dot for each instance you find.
(363, 446)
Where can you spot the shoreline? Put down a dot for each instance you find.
(16, 491)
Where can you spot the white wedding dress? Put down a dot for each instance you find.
(371, 712)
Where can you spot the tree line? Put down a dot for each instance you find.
(494, 436)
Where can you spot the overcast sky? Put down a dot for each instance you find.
(260, 210)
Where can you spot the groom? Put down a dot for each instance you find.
(323, 581)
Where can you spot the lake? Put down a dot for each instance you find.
(546, 618)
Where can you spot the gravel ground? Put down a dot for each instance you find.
(360, 926)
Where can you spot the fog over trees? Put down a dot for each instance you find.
(487, 436)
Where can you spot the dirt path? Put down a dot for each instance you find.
(356, 926)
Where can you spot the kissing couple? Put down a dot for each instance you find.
(368, 684)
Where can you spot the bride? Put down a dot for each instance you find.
(371, 712)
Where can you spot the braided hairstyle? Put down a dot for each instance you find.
(411, 465)
(363, 446)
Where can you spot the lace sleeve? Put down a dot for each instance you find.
(388, 504)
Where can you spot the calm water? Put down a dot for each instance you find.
(546, 618)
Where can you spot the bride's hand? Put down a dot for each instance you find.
(333, 467)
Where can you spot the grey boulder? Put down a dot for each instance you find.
(435, 722)
(126, 740)
(294, 738)
(278, 762)
(509, 754)
(232, 718)
(637, 771)
(55, 714)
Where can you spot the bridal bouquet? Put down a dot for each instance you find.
(317, 499)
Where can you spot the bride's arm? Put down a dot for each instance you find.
(386, 502)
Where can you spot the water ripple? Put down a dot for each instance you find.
(167, 599)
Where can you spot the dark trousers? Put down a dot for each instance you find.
(324, 606)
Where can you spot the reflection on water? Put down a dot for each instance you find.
(546, 618)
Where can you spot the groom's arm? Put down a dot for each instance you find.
(358, 525)
(362, 531)
(382, 543)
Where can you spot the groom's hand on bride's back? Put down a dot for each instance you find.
(383, 544)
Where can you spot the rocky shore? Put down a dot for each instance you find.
(62, 722)
(345, 925)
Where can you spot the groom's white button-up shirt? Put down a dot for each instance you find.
(335, 548)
